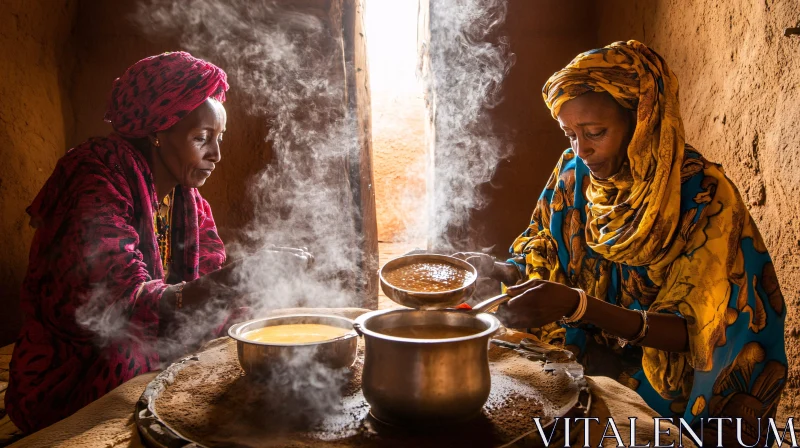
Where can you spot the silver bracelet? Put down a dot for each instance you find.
(639, 337)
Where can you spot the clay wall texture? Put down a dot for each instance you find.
(740, 101)
(35, 125)
(399, 161)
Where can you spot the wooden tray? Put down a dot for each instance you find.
(205, 400)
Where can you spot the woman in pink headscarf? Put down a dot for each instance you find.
(124, 241)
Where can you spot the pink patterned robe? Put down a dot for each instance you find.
(94, 280)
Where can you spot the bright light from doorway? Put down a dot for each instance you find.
(398, 121)
(392, 45)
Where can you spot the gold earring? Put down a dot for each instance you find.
(157, 143)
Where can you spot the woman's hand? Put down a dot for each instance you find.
(221, 284)
(488, 266)
(536, 303)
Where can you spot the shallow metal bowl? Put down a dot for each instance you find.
(261, 359)
(428, 300)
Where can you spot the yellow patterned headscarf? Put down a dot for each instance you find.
(634, 214)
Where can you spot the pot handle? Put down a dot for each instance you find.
(489, 304)
(357, 328)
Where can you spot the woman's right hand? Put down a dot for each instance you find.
(536, 303)
(221, 283)
(199, 291)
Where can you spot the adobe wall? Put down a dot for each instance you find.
(399, 164)
(35, 125)
(740, 101)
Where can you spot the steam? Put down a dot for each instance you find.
(312, 389)
(463, 81)
(288, 64)
(106, 322)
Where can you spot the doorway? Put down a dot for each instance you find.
(399, 149)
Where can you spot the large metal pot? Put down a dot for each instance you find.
(260, 359)
(425, 381)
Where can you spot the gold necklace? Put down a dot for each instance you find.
(162, 224)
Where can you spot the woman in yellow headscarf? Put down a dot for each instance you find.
(644, 253)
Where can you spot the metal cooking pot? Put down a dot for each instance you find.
(425, 381)
(260, 359)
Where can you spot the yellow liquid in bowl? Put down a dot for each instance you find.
(295, 334)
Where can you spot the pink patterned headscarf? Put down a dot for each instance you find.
(156, 92)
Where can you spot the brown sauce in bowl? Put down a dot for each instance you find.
(435, 331)
(428, 277)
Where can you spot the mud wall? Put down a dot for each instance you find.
(740, 92)
(399, 164)
(35, 125)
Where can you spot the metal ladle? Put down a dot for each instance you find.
(489, 304)
(436, 300)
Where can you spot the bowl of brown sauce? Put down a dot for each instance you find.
(268, 344)
(428, 281)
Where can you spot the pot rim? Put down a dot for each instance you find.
(361, 329)
(452, 260)
(235, 328)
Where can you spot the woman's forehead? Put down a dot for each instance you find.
(209, 114)
(589, 107)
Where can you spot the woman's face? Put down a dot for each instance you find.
(190, 149)
(599, 130)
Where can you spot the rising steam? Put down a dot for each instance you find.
(463, 81)
(285, 61)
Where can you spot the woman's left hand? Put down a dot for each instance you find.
(536, 303)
